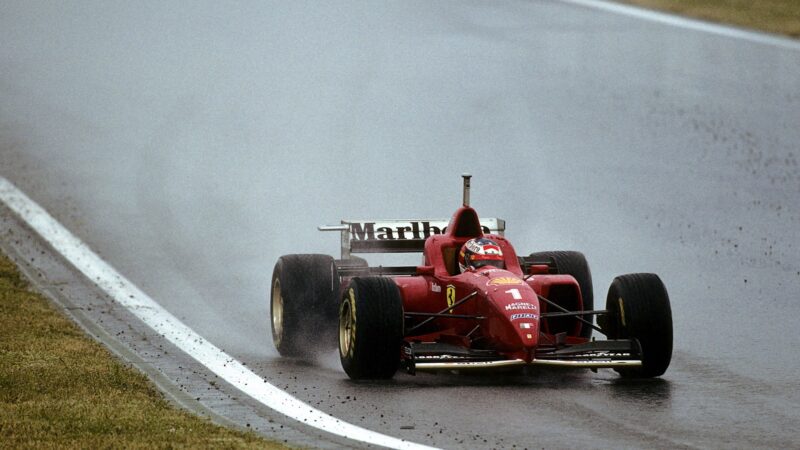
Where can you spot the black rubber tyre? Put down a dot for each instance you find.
(304, 305)
(574, 263)
(639, 309)
(370, 328)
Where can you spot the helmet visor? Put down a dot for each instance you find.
(476, 263)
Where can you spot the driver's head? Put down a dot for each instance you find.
(480, 252)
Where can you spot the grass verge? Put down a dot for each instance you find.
(61, 389)
(772, 16)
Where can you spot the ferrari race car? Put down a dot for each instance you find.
(520, 311)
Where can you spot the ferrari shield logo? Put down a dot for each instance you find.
(451, 296)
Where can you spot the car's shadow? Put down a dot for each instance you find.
(544, 378)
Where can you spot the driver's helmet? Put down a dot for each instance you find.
(480, 252)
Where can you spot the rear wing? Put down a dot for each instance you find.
(396, 236)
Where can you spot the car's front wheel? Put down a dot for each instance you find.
(639, 309)
(370, 328)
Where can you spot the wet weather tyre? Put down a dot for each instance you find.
(575, 264)
(639, 308)
(304, 305)
(370, 328)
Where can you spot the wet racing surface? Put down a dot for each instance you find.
(192, 147)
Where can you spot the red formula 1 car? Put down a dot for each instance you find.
(518, 311)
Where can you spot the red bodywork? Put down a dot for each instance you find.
(503, 312)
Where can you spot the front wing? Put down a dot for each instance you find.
(432, 357)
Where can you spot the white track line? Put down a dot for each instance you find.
(697, 25)
(152, 314)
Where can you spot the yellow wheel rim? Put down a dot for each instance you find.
(347, 327)
(277, 313)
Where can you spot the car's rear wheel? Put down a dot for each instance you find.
(639, 308)
(574, 264)
(370, 328)
(303, 304)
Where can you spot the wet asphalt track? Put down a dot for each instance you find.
(190, 147)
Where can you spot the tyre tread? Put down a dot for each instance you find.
(309, 286)
(648, 318)
(379, 328)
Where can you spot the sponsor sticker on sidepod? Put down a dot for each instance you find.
(523, 316)
(520, 305)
